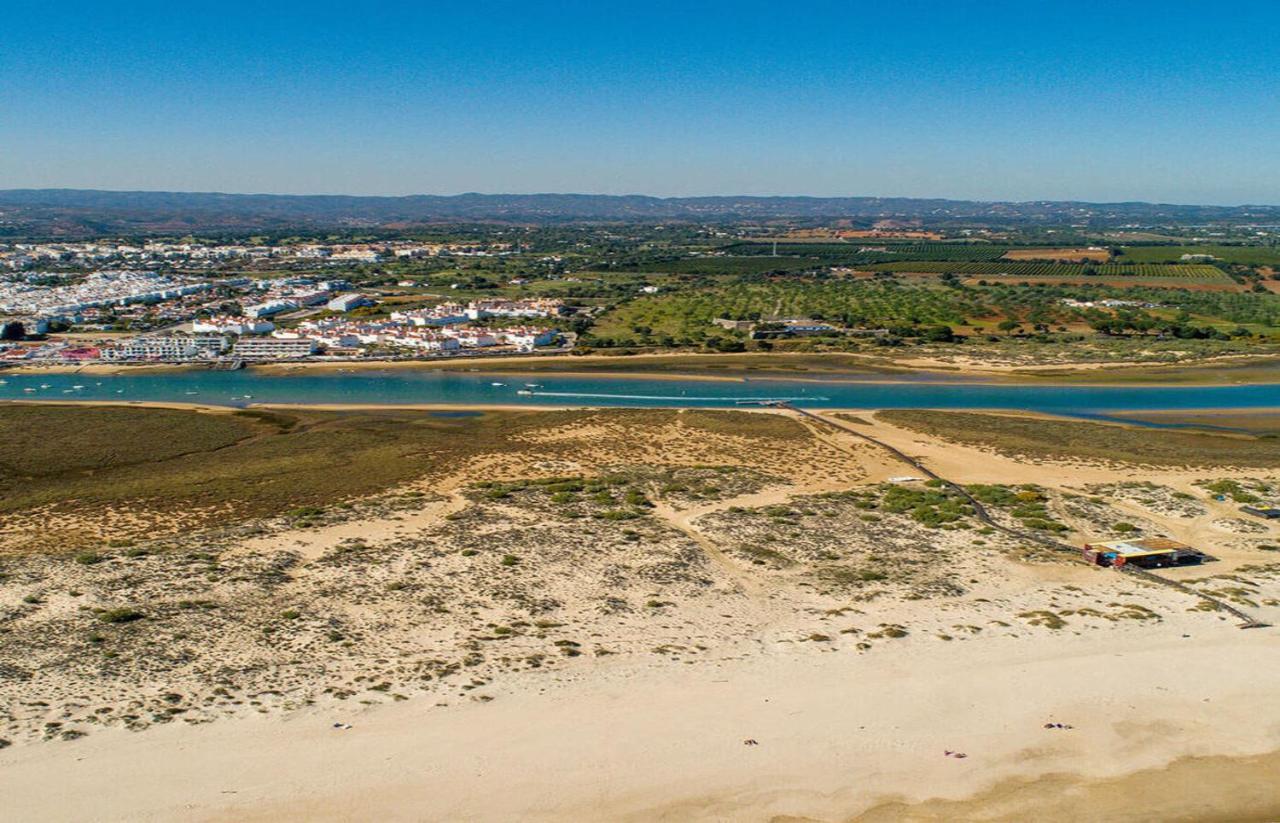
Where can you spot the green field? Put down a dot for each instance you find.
(686, 317)
(1243, 255)
(758, 258)
(729, 265)
(1014, 269)
(876, 251)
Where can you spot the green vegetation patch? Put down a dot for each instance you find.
(935, 507)
(86, 457)
(1028, 504)
(871, 251)
(1236, 490)
(1241, 255)
(685, 318)
(1194, 272)
(50, 441)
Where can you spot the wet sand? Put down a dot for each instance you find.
(1188, 790)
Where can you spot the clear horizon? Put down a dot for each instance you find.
(1152, 102)
(637, 194)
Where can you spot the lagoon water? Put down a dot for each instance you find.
(399, 387)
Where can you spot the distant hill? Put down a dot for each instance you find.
(80, 212)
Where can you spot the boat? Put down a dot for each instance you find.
(28, 389)
(497, 384)
(534, 385)
(77, 388)
(523, 391)
(4, 382)
(193, 392)
(45, 386)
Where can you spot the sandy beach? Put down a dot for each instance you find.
(838, 736)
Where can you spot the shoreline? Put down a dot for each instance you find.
(730, 368)
(336, 407)
(1125, 418)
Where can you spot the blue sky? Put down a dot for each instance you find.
(1174, 102)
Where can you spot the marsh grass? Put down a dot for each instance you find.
(253, 465)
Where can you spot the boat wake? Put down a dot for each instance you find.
(678, 398)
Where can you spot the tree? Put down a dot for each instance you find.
(938, 334)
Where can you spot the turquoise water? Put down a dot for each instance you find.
(403, 387)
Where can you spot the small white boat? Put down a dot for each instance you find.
(497, 384)
(193, 392)
(534, 385)
(248, 397)
(4, 382)
(77, 388)
(45, 386)
(29, 389)
(523, 391)
(119, 391)
(66, 391)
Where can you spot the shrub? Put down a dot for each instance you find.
(635, 497)
(121, 614)
(617, 514)
(304, 512)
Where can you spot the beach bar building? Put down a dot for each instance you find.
(1268, 510)
(1145, 553)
